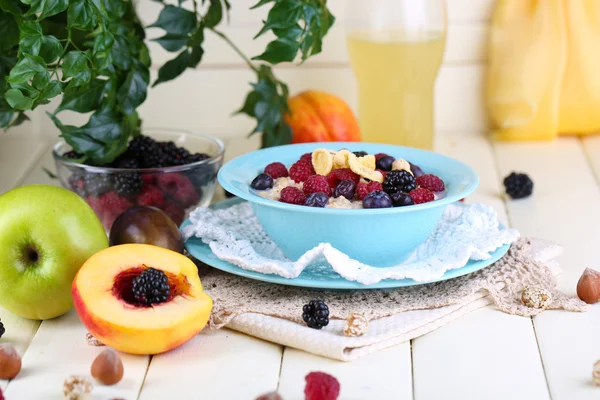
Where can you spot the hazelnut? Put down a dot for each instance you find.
(596, 373)
(10, 361)
(77, 387)
(588, 287)
(107, 368)
(356, 325)
(535, 297)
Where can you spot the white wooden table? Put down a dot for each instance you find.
(485, 355)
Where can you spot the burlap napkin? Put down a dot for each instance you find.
(274, 312)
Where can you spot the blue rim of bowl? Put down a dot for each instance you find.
(176, 168)
(254, 198)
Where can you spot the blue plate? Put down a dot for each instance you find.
(320, 276)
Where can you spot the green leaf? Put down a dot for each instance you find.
(11, 6)
(83, 99)
(284, 14)
(81, 15)
(293, 32)
(51, 49)
(45, 8)
(214, 15)
(121, 57)
(176, 20)
(27, 69)
(53, 89)
(196, 56)
(282, 49)
(261, 3)
(6, 117)
(115, 9)
(9, 31)
(103, 42)
(173, 68)
(73, 63)
(31, 38)
(132, 92)
(280, 135)
(16, 100)
(248, 108)
(171, 42)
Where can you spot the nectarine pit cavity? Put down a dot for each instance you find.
(123, 285)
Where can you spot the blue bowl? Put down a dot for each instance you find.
(379, 237)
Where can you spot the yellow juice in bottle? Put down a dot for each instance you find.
(396, 74)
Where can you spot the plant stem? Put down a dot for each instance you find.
(236, 49)
(69, 41)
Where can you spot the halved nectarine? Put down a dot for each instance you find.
(118, 316)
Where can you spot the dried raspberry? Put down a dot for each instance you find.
(1, 395)
(379, 155)
(307, 157)
(179, 188)
(321, 386)
(363, 189)
(338, 175)
(276, 170)
(316, 183)
(421, 195)
(292, 195)
(174, 211)
(462, 200)
(301, 170)
(430, 182)
(151, 196)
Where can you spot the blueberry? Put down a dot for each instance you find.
(360, 153)
(400, 199)
(385, 163)
(262, 182)
(416, 170)
(317, 199)
(377, 199)
(345, 188)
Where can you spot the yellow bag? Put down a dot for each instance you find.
(543, 76)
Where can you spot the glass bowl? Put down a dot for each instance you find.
(176, 190)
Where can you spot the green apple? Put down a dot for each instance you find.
(46, 234)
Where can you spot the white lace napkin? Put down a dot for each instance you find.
(464, 233)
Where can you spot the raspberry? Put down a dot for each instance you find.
(276, 170)
(363, 189)
(379, 155)
(1, 395)
(342, 174)
(151, 196)
(316, 183)
(307, 157)
(421, 195)
(301, 170)
(430, 182)
(175, 212)
(321, 386)
(149, 179)
(292, 195)
(179, 188)
(270, 396)
(112, 205)
(94, 202)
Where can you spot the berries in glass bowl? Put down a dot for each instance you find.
(174, 171)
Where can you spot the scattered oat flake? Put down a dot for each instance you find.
(77, 387)
(535, 297)
(92, 341)
(356, 325)
(596, 373)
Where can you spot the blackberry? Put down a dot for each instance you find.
(151, 287)
(96, 184)
(518, 186)
(127, 161)
(72, 154)
(141, 145)
(174, 155)
(127, 184)
(316, 314)
(192, 158)
(360, 153)
(399, 181)
(2, 329)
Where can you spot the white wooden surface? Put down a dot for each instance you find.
(485, 355)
